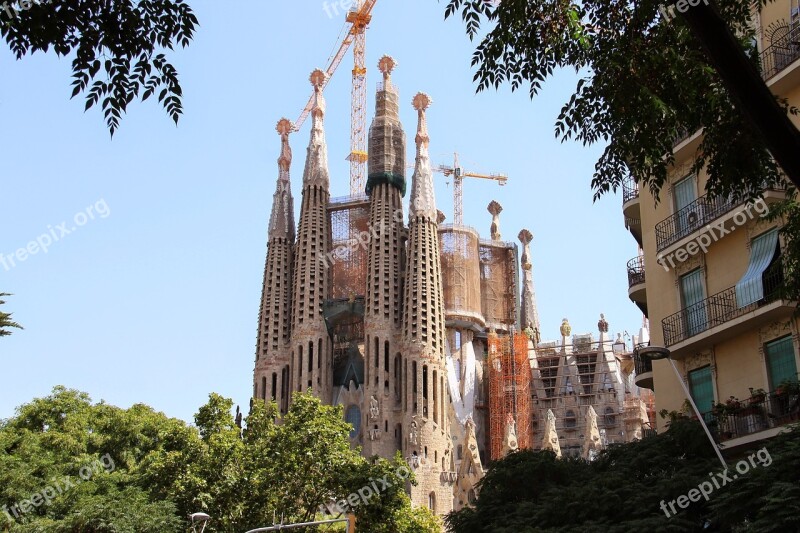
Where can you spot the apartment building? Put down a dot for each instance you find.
(708, 276)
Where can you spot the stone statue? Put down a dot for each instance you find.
(602, 325)
(412, 436)
(374, 410)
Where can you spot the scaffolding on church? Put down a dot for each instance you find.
(509, 392)
(499, 283)
(350, 234)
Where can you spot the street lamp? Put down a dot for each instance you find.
(656, 353)
(199, 520)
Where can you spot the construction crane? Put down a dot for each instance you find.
(458, 175)
(356, 23)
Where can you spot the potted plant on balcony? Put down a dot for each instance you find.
(757, 395)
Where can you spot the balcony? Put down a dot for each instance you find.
(784, 50)
(691, 218)
(636, 285)
(643, 368)
(759, 413)
(716, 318)
(631, 210)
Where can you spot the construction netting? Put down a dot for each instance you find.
(349, 223)
(461, 271)
(509, 393)
(499, 284)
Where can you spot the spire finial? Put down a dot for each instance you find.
(422, 102)
(495, 209)
(386, 65)
(423, 200)
(284, 128)
(318, 79)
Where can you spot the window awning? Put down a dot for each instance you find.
(750, 289)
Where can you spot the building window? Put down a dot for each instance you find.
(761, 278)
(781, 365)
(702, 390)
(692, 295)
(432, 501)
(684, 194)
(353, 417)
(569, 420)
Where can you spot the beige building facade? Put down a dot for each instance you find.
(708, 277)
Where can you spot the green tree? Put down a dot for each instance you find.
(5, 319)
(628, 487)
(117, 47)
(83, 461)
(150, 472)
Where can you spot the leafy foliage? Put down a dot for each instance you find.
(623, 489)
(122, 38)
(5, 319)
(165, 470)
(645, 82)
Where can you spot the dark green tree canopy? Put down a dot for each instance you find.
(623, 489)
(644, 81)
(117, 47)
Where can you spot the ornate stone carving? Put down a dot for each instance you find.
(566, 329)
(495, 209)
(374, 408)
(602, 325)
(414, 432)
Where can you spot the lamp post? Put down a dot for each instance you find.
(199, 520)
(656, 353)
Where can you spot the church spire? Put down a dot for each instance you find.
(316, 169)
(423, 200)
(271, 376)
(387, 140)
(281, 224)
(311, 277)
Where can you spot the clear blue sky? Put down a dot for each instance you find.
(158, 301)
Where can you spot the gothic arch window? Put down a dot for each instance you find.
(432, 501)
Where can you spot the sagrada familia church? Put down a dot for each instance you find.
(421, 330)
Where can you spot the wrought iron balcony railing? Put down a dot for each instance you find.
(717, 310)
(641, 365)
(756, 414)
(636, 271)
(691, 218)
(783, 51)
(630, 190)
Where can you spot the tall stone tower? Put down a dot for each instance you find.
(426, 415)
(385, 186)
(310, 342)
(271, 376)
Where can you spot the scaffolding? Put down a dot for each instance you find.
(499, 282)
(350, 234)
(509, 391)
(461, 273)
